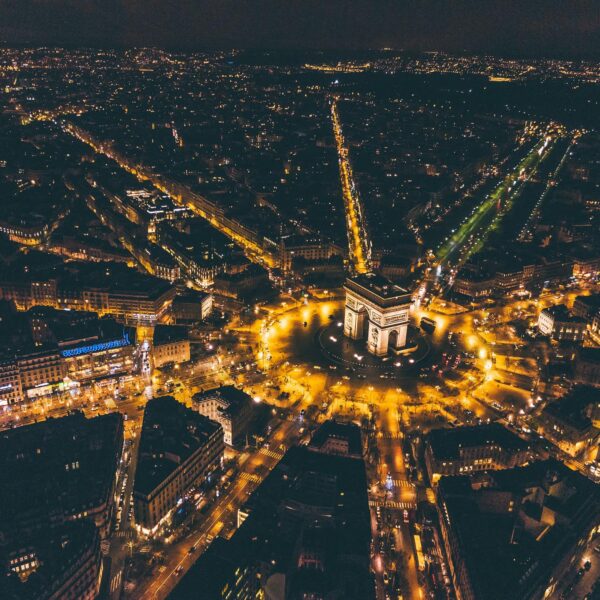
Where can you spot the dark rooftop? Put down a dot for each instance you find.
(311, 502)
(588, 354)
(164, 334)
(572, 408)
(57, 466)
(192, 297)
(234, 397)
(591, 300)
(109, 276)
(446, 443)
(59, 554)
(560, 312)
(171, 433)
(507, 548)
(349, 433)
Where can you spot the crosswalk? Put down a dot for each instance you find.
(116, 581)
(250, 477)
(393, 504)
(124, 533)
(388, 435)
(402, 483)
(272, 453)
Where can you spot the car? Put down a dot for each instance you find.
(178, 570)
(192, 549)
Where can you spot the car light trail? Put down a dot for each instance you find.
(358, 242)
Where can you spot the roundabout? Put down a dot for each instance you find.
(353, 354)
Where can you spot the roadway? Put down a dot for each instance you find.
(286, 332)
(400, 493)
(358, 241)
(254, 469)
(469, 237)
(199, 205)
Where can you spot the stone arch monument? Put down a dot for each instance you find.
(377, 309)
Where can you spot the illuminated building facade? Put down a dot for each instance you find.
(379, 309)
(104, 357)
(11, 391)
(30, 374)
(171, 345)
(72, 348)
(24, 234)
(309, 248)
(191, 307)
(233, 409)
(40, 372)
(105, 288)
(558, 323)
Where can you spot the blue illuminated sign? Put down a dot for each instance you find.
(124, 341)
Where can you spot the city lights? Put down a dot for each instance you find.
(247, 288)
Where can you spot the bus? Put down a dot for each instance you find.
(419, 552)
(428, 324)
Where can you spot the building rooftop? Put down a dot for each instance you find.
(59, 554)
(191, 297)
(165, 334)
(303, 508)
(171, 433)
(347, 433)
(56, 467)
(79, 334)
(299, 241)
(591, 302)
(512, 527)
(561, 313)
(378, 289)
(572, 409)
(234, 398)
(446, 443)
(106, 276)
(588, 354)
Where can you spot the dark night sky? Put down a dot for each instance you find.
(528, 27)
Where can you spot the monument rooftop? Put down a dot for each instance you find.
(378, 289)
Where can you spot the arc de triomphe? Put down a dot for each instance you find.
(378, 308)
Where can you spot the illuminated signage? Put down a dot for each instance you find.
(124, 341)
